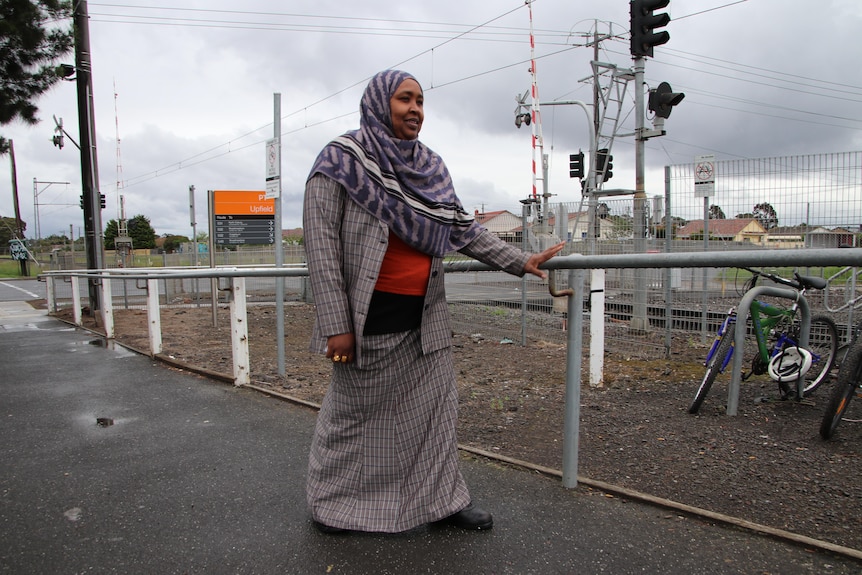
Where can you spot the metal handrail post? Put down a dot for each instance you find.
(574, 343)
(742, 314)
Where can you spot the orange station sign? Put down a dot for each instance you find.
(243, 217)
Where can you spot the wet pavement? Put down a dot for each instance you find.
(116, 463)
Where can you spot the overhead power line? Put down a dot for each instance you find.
(449, 32)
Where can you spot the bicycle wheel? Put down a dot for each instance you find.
(713, 367)
(848, 385)
(823, 345)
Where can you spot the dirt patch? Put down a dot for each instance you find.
(766, 465)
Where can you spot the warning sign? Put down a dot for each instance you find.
(704, 176)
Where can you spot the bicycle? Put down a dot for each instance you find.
(848, 384)
(776, 332)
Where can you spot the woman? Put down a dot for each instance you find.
(380, 213)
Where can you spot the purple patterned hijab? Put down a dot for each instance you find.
(403, 183)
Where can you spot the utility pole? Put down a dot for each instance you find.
(639, 323)
(644, 38)
(19, 224)
(89, 161)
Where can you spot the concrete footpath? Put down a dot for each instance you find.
(189, 476)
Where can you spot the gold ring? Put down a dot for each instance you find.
(343, 359)
(336, 357)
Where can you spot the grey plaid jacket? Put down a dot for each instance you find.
(345, 246)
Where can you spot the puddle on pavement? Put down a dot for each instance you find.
(105, 344)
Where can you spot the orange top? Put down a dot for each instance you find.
(404, 270)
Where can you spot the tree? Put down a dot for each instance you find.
(765, 214)
(142, 233)
(716, 213)
(31, 42)
(172, 243)
(111, 233)
(8, 229)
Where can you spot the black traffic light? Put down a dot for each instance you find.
(576, 165)
(663, 99)
(102, 201)
(82, 201)
(644, 23)
(604, 164)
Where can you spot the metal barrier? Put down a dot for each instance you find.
(576, 264)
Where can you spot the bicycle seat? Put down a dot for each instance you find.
(812, 282)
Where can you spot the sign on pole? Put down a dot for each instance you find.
(17, 250)
(704, 176)
(243, 217)
(273, 169)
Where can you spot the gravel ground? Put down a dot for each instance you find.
(766, 465)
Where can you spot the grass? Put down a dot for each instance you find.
(10, 268)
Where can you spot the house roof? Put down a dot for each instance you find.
(728, 228)
(789, 230)
(482, 217)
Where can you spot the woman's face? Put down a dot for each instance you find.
(407, 111)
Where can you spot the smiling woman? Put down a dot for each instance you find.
(407, 110)
(380, 213)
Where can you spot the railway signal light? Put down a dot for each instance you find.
(663, 99)
(58, 135)
(576, 165)
(604, 164)
(643, 25)
(102, 201)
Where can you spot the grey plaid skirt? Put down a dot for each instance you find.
(384, 454)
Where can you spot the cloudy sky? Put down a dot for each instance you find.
(188, 85)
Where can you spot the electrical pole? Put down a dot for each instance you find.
(639, 323)
(19, 224)
(89, 162)
(644, 38)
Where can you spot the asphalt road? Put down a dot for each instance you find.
(21, 289)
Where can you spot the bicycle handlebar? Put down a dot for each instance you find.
(800, 282)
(772, 277)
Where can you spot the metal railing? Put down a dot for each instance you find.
(576, 265)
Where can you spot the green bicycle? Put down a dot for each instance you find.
(776, 332)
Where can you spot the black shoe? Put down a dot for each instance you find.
(327, 529)
(471, 517)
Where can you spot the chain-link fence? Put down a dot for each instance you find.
(794, 202)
